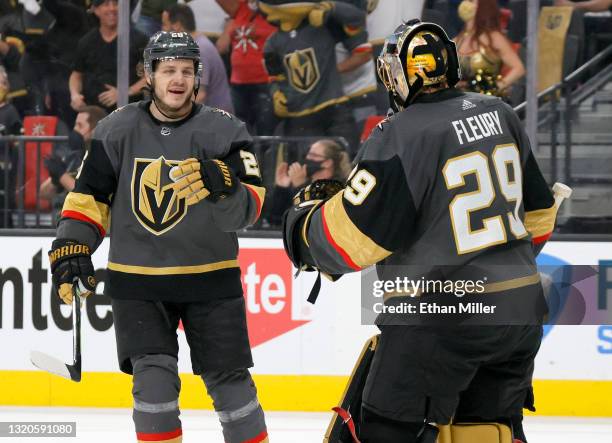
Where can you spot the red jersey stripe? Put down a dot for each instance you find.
(347, 259)
(82, 217)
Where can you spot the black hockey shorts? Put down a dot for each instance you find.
(216, 332)
(436, 373)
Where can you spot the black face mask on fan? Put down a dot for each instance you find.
(313, 166)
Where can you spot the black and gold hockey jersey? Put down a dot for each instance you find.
(161, 248)
(449, 182)
(302, 62)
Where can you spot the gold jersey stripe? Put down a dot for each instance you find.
(505, 285)
(361, 249)
(86, 204)
(173, 270)
(512, 283)
(17, 93)
(260, 191)
(541, 221)
(317, 108)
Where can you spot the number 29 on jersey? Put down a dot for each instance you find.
(463, 205)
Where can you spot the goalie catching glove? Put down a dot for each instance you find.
(196, 180)
(295, 227)
(71, 264)
(296, 220)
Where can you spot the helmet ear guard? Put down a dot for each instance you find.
(395, 75)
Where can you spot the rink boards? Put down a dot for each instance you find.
(303, 353)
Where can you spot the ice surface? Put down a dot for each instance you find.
(97, 425)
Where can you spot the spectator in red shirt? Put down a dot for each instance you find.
(245, 36)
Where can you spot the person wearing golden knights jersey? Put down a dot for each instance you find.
(180, 179)
(304, 73)
(444, 186)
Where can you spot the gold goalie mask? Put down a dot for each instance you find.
(416, 55)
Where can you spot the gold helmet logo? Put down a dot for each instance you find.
(303, 69)
(154, 201)
(426, 58)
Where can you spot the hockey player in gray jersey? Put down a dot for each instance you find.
(179, 179)
(447, 184)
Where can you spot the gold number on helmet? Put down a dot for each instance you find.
(464, 205)
(360, 186)
(251, 166)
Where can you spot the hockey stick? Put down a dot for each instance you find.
(561, 192)
(55, 366)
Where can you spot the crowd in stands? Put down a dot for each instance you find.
(286, 71)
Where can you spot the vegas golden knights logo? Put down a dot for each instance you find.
(303, 69)
(154, 201)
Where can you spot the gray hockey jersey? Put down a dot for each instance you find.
(160, 248)
(302, 62)
(449, 182)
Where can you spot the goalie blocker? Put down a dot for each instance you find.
(344, 425)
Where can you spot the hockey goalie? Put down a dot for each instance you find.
(447, 183)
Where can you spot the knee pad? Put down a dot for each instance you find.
(475, 432)
(156, 391)
(235, 400)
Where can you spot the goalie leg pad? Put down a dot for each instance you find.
(348, 413)
(475, 432)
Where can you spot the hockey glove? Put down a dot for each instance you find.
(71, 264)
(296, 220)
(295, 228)
(318, 190)
(196, 180)
(320, 13)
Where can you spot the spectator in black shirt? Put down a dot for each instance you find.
(38, 37)
(10, 124)
(94, 76)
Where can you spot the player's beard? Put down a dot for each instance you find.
(173, 112)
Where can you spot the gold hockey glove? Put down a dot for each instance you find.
(196, 180)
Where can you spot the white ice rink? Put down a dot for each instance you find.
(115, 425)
